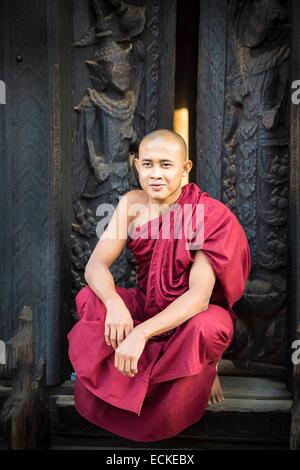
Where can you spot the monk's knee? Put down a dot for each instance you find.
(215, 328)
(89, 304)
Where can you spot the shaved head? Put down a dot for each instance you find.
(164, 136)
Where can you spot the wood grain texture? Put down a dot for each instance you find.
(294, 234)
(34, 195)
(243, 160)
(24, 418)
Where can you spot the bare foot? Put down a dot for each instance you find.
(216, 394)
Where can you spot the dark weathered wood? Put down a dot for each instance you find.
(227, 367)
(166, 77)
(211, 95)
(242, 140)
(294, 218)
(181, 444)
(35, 199)
(24, 419)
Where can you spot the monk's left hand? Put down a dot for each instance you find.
(128, 353)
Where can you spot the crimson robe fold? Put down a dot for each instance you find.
(177, 368)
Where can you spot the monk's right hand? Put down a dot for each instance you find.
(118, 322)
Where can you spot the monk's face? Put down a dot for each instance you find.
(161, 166)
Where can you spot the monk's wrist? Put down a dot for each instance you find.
(112, 300)
(143, 331)
(148, 330)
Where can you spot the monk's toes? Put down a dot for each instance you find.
(215, 399)
(212, 400)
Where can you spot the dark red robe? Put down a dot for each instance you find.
(177, 368)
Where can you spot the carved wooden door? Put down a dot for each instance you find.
(243, 159)
(294, 233)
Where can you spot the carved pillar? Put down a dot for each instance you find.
(243, 131)
(294, 232)
(211, 95)
(24, 419)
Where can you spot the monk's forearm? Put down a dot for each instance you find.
(180, 310)
(101, 281)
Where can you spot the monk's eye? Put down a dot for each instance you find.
(146, 164)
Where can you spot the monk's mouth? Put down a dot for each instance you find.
(157, 186)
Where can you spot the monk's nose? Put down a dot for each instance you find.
(155, 173)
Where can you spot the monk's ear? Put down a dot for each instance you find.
(187, 167)
(136, 162)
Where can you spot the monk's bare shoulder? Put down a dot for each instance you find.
(137, 196)
(137, 199)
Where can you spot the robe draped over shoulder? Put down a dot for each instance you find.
(226, 247)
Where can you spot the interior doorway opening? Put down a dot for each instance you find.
(186, 71)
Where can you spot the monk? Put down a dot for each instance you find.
(145, 357)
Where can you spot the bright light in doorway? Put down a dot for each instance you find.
(181, 126)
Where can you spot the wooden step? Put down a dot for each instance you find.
(256, 411)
